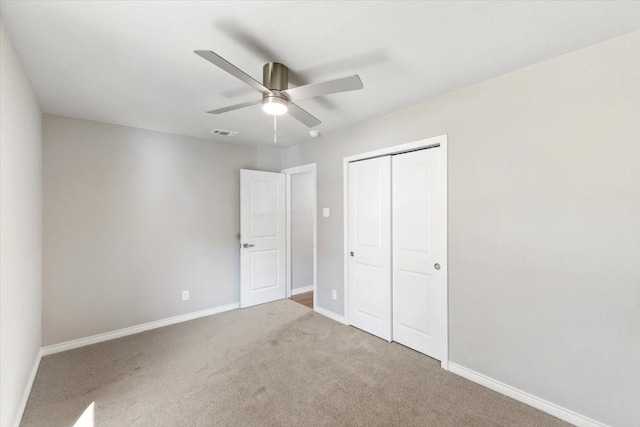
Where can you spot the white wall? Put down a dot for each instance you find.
(131, 218)
(544, 224)
(20, 232)
(302, 202)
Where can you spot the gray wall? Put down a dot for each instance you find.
(20, 231)
(131, 218)
(301, 230)
(544, 224)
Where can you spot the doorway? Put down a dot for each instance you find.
(396, 245)
(301, 209)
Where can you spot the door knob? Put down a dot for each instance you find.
(436, 266)
(247, 245)
(351, 253)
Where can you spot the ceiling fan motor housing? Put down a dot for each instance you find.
(275, 76)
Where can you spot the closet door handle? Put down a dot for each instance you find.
(351, 253)
(436, 266)
(247, 245)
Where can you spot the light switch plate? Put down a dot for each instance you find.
(325, 212)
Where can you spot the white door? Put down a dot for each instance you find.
(370, 246)
(418, 251)
(262, 237)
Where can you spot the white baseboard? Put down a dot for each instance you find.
(524, 397)
(302, 290)
(331, 315)
(94, 339)
(27, 389)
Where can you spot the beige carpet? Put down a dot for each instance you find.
(279, 364)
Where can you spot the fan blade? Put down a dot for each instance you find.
(233, 70)
(302, 116)
(318, 89)
(235, 107)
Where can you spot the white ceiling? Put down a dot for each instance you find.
(132, 63)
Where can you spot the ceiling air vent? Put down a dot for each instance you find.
(227, 133)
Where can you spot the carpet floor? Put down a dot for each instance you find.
(278, 364)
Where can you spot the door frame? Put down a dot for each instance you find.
(311, 167)
(436, 141)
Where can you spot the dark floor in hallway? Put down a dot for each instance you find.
(304, 299)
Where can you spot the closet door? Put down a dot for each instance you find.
(418, 251)
(370, 246)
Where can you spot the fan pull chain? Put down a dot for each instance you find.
(275, 131)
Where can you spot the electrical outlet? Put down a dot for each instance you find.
(334, 295)
(185, 295)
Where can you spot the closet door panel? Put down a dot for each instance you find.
(369, 211)
(418, 246)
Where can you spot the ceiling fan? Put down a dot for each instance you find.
(277, 98)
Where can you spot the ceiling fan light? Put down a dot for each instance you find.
(274, 105)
